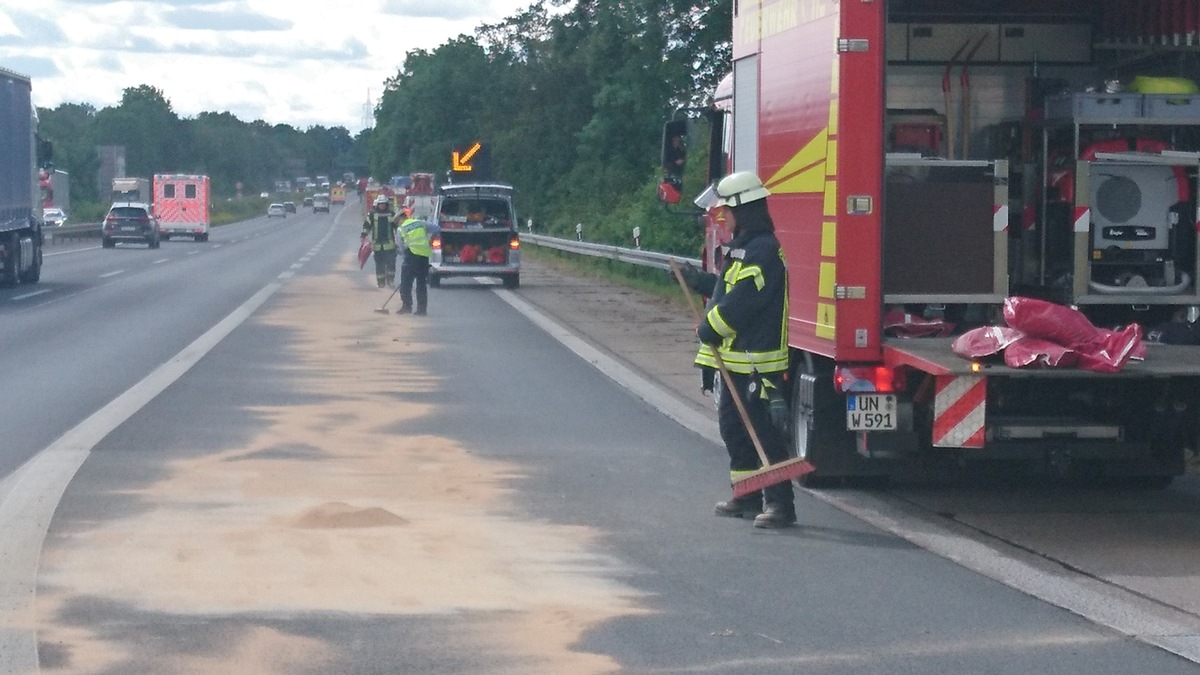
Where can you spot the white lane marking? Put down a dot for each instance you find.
(30, 295)
(161, 260)
(192, 252)
(111, 274)
(659, 398)
(74, 250)
(1097, 601)
(30, 495)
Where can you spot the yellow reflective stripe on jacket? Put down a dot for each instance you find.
(375, 219)
(738, 271)
(773, 361)
(718, 324)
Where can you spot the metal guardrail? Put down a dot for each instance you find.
(633, 256)
(85, 231)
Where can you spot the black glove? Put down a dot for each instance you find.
(708, 378)
(699, 281)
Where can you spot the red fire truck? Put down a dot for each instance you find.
(181, 204)
(910, 148)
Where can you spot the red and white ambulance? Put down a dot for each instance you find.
(181, 204)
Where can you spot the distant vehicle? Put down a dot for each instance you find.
(337, 194)
(131, 190)
(276, 210)
(181, 203)
(55, 186)
(478, 234)
(130, 222)
(54, 217)
(20, 203)
(264, 195)
(290, 207)
(320, 203)
(308, 201)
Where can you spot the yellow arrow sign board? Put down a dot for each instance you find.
(462, 161)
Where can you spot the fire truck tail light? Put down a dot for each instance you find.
(436, 242)
(514, 243)
(880, 379)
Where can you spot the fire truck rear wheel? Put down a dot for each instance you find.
(819, 431)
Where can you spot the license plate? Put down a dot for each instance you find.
(129, 228)
(871, 412)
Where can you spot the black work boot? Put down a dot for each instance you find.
(741, 507)
(404, 309)
(776, 515)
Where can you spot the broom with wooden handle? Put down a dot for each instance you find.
(770, 474)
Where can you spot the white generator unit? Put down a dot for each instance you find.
(1132, 213)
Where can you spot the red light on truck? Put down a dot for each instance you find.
(880, 379)
(514, 243)
(436, 242)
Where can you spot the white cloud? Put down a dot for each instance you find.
(298, 63)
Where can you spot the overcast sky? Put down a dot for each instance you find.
(298, 62)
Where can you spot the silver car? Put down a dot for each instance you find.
(54, 217)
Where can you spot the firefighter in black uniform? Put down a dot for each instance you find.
(746, 321)
(380, 226)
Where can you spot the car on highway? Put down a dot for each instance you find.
(320, 203)
(308, 201)
(54, 217)
(290, 207)
(276, 210)
(132, 222)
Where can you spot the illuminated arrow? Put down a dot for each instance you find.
(462, 162)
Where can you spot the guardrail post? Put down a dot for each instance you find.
(637, 237)
(529, 225)
(579, 231)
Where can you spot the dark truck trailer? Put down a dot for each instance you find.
(20, 199)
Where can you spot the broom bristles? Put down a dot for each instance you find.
(771, 475)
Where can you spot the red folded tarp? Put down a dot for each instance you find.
(1043, 334)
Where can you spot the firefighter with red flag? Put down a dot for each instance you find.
(379, 228)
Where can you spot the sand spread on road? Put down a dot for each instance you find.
(360, 520)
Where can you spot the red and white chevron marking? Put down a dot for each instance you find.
(958, 411)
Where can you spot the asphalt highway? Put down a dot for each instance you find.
(219, 458)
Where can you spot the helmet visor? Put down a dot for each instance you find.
(708, 199)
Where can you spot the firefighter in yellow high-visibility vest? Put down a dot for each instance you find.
(380, 227)
(414, 235)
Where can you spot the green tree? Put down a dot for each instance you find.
(70, 128)
(151, 132)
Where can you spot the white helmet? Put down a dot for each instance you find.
(381, 200)
(740, 188)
